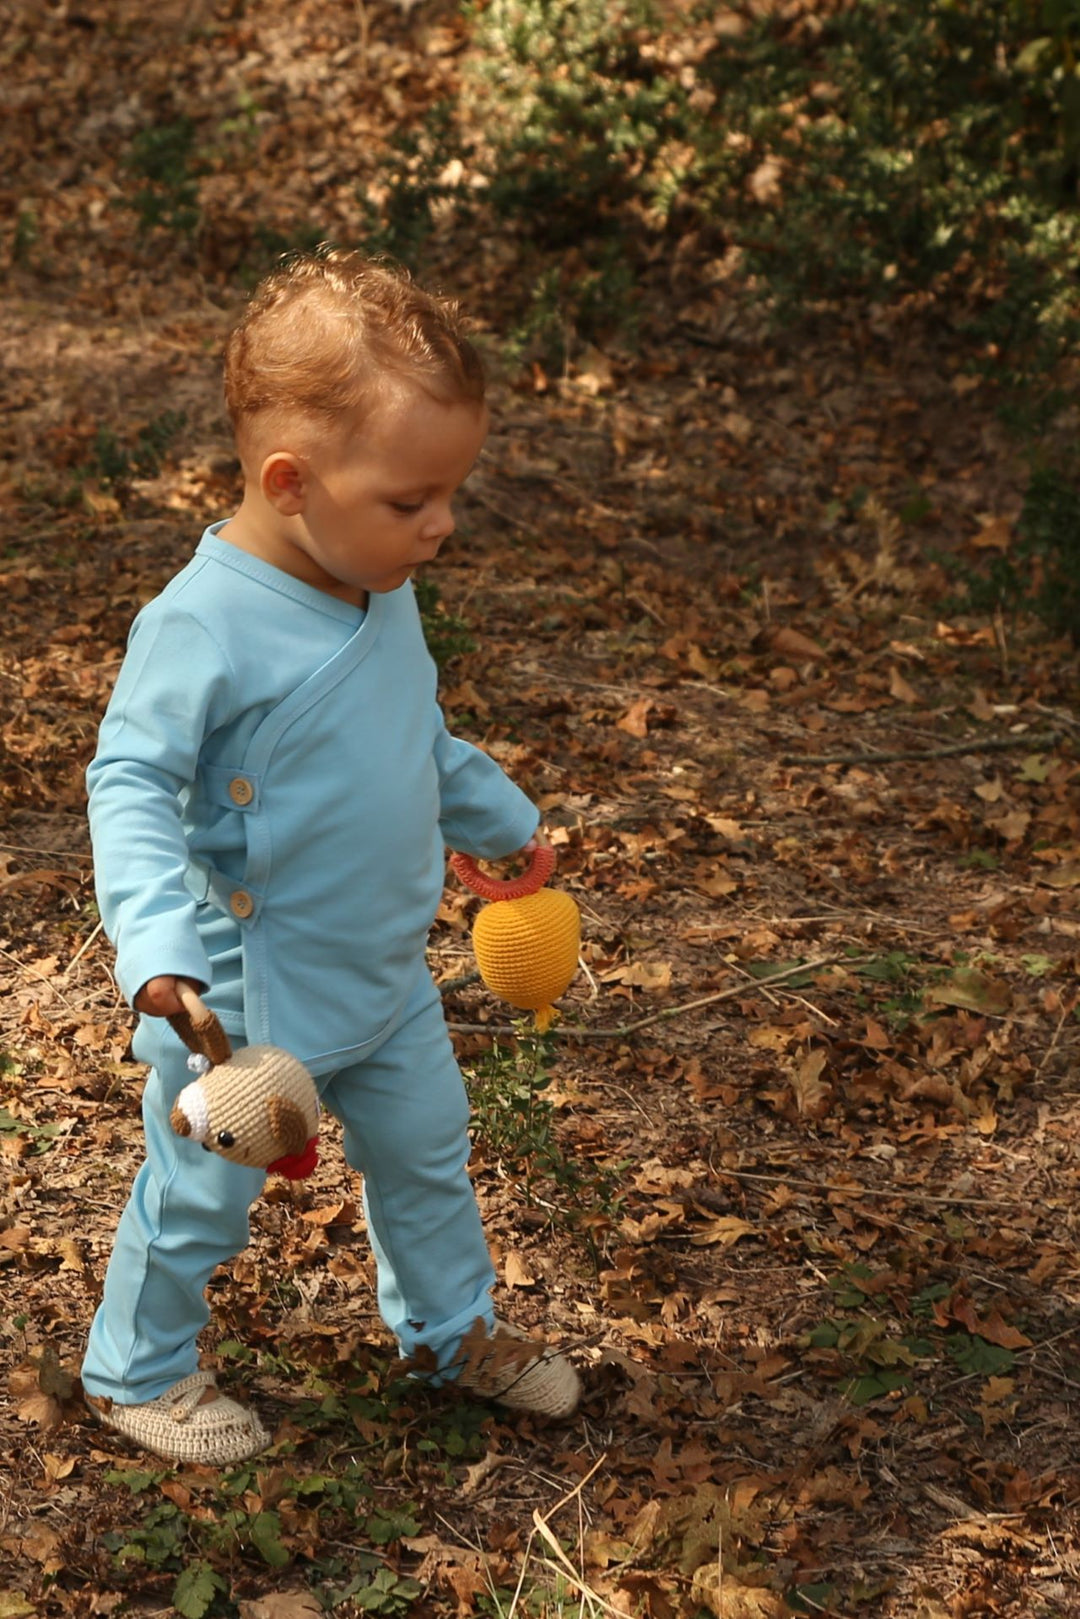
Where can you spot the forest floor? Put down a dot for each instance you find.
(800, 1190)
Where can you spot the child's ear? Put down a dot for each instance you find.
(283, 482)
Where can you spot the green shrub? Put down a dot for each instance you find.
(576, 112)
(164, 159)
(866, 148)
(884, 148)
(1040, 574)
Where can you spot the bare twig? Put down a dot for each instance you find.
(873, 1191)
(990, 744)
(668, 1012)
(83, 948)
(1051, 1048)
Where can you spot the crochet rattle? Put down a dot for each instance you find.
(527, 941)
(257, 1106)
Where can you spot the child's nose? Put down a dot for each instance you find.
(441, 526)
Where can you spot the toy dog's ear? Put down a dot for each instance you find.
(288, 1124)
(180, 1121)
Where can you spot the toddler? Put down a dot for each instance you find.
(272, 794)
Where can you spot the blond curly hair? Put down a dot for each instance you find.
(323, 330)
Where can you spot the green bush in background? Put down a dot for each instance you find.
(1040, 573)
(862, 147)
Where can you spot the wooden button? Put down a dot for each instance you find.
(241, 903)
(240, 790)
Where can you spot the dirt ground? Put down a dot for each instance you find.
(812, 1241)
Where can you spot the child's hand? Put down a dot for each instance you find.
(159, 997)
(539, 840)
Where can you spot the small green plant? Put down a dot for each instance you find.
(1040, 574)
(577, 118)
(382, 1592)
(26, 234)
(515, 1122)
(115, 463)
(164, 159)
(416, 184)
(42, 1136)
(197, 1589)
(981, 860)
(447, 636)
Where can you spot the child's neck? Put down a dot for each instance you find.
(250, 531)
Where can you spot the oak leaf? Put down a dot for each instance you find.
(972, 991)
(40, 1387)
(516, 1273)
(727, 1599)
(794, 644)
(282, 1605)
(726, 1230)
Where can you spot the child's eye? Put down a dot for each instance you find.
(405, 507)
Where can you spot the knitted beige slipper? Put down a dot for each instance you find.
(175, 1425)
(516, 1370)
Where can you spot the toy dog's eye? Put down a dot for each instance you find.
(225, 1138)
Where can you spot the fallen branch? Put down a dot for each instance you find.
(991, 744)
(623, 1030)
(825, 1189)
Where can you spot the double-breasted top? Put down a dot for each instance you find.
(274, 787)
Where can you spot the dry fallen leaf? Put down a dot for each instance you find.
(40, 1386)
(516, 1273)
(727, 1599)
(900, 689)
(726, 1229)
(794, 644)
(642, 975)
(1065, 875)
(636, 719)
(812, 1096)
(282, 1605)
(972, 991)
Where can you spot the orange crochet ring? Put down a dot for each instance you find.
(540, 869)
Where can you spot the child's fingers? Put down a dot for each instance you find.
(159, 997)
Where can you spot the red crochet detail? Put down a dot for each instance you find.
(297, 1166)
(540, 869)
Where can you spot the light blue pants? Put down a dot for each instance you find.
(405, 1117)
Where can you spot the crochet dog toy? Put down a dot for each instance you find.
(527, 941)
(257, 1106)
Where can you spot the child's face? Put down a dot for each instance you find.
(378, 493)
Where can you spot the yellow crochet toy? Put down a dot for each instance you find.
(257, 1106)
(528, 940)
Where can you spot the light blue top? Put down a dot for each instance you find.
(274, 767)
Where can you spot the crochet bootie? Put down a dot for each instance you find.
(518, 1371)
(176, 1426)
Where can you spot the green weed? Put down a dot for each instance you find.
(1040, 574)
(414, 186)
(42, 1136)
(115, 462)
(447, 636)
(163, 157)
(27, 232)
(516, 1124)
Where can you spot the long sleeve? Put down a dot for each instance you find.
(173, 679)
(482, 812)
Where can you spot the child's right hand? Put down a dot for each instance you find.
(159, 997)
